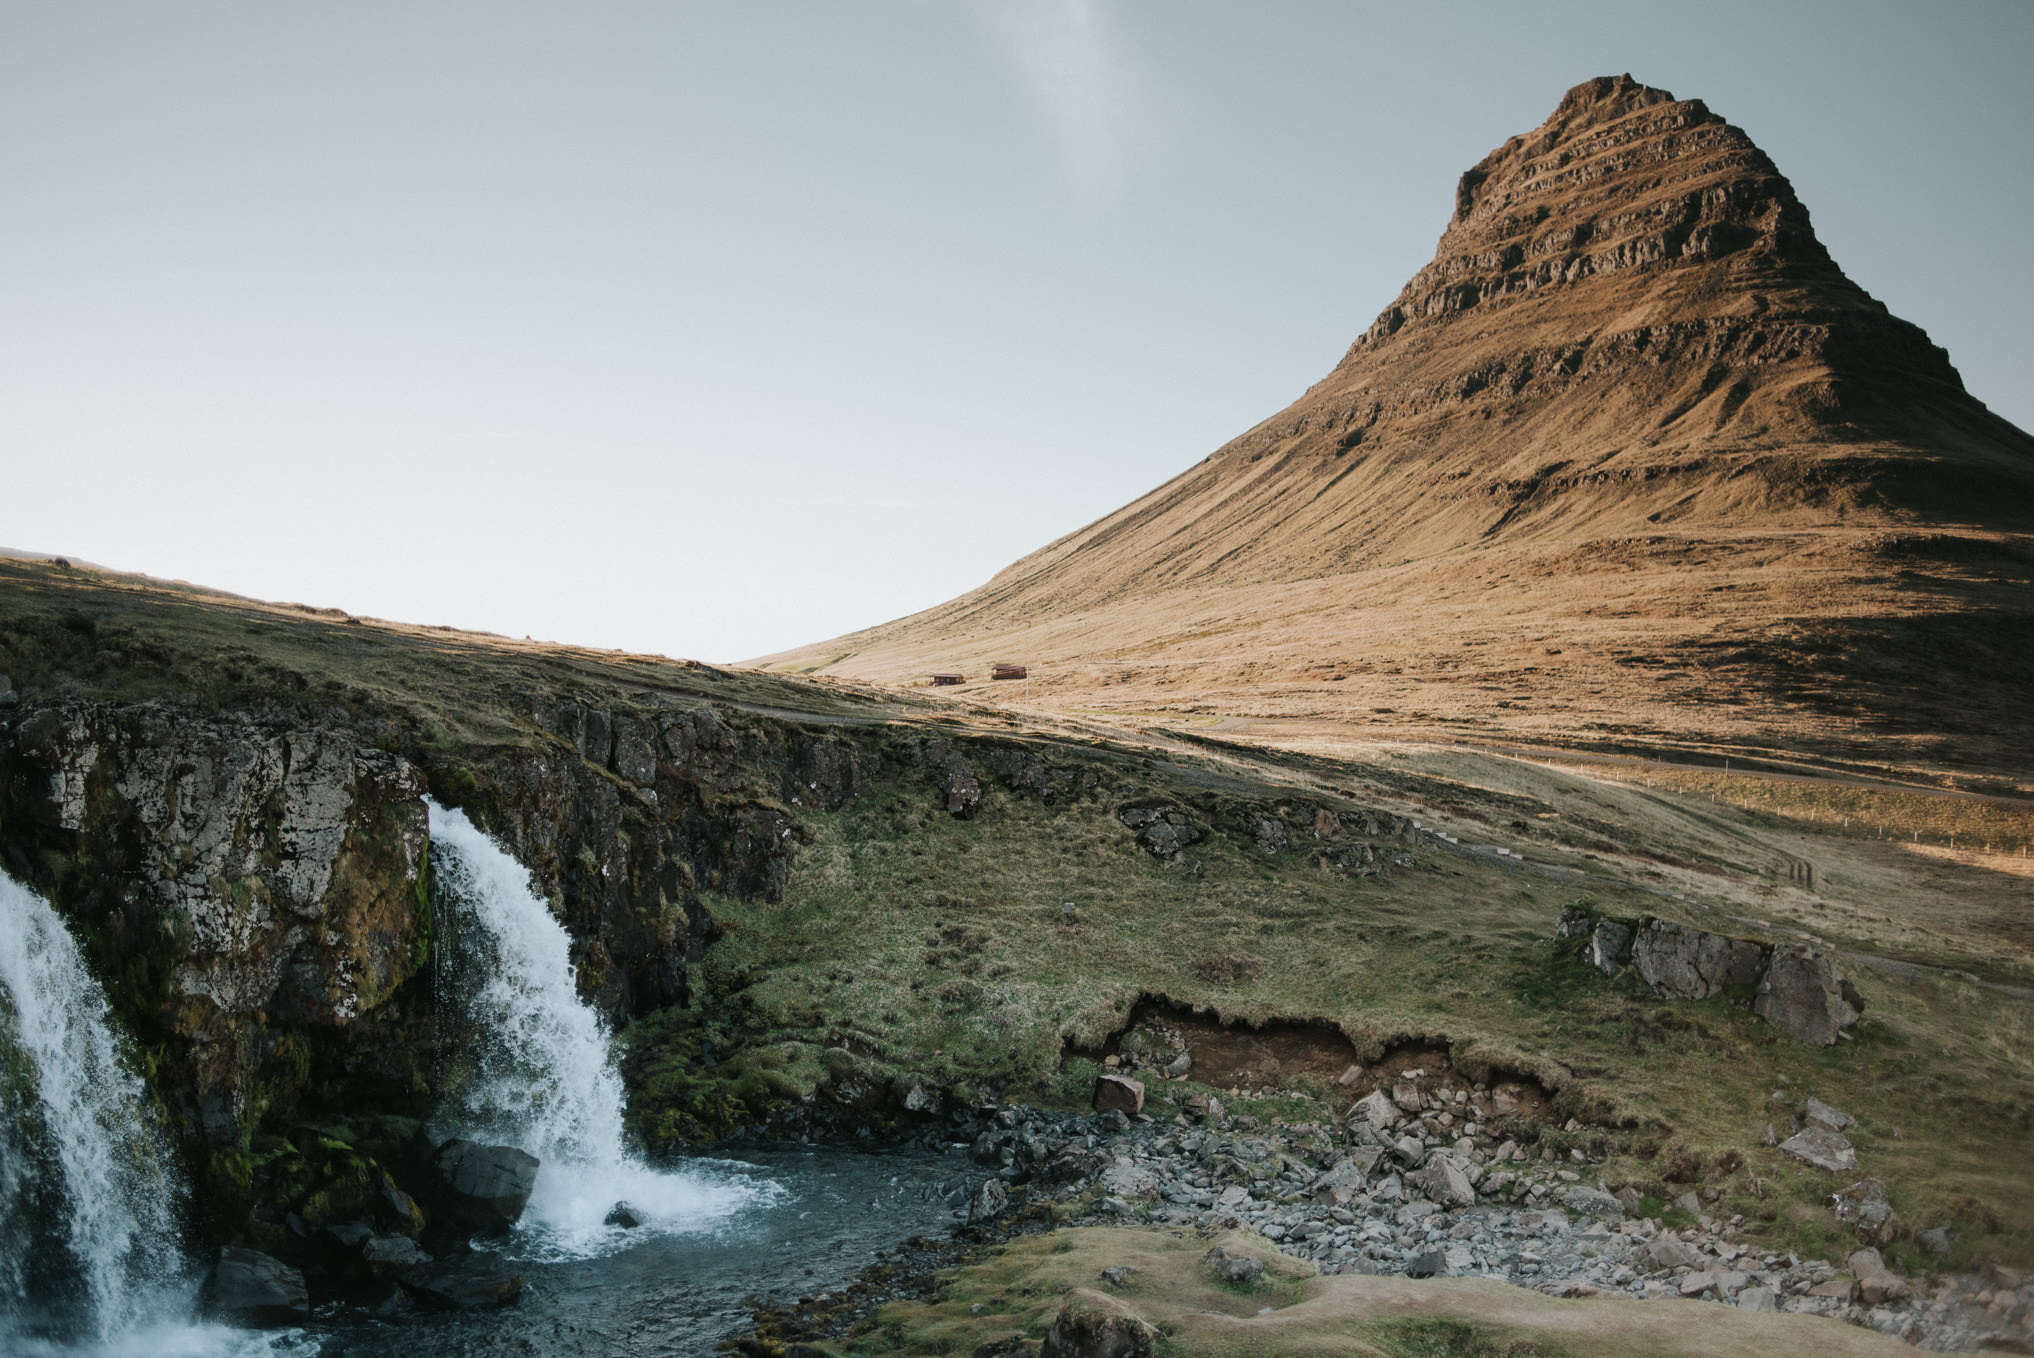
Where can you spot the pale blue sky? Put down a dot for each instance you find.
(710, 329)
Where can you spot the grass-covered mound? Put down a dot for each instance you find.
(1018, 1289)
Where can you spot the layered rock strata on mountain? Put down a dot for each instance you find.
(1630, 358)
(1629, 321)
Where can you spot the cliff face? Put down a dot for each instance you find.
(234, 877)
(255, 885)
(1632, 411)
(227, 802)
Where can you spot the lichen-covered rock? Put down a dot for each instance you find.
(285, 861)
(1575, 921)
(1610, 946)
(1445, 1182)
(1863, 1207)
(1803, 995)
(963, 790)
(1343, 1182)
(1377, 1109)
(1823, 1149)
(1233, 1267)
(1162, 833)
(245, 883)
(1876, 1283)
(1693, 964)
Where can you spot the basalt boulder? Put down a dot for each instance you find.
(481, 1189)
(456, 1287)
(247, 1287)
(1119, 1094)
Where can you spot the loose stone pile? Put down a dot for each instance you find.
(1386, 1196)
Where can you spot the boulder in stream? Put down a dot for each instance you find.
(248, 1287)
(388, 1255)
(453, 1287)
(480, 1188)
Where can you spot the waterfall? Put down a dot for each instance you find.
(89, 1198)
(544, 1073)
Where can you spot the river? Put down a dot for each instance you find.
(814, 1217)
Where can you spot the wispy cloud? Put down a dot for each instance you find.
(1070, 60)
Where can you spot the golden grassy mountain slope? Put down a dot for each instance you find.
(1630, 462)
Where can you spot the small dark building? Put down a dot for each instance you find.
(949, 678)
(1009, 672)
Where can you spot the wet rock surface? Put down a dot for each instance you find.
(453, 1287)
(247, 1287)
(480, 1188)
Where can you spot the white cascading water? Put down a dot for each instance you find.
(90, 1199)
(76, 1140)
(545, 1077)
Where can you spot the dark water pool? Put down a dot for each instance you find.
(787, 1222)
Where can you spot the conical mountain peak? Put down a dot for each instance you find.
(1622, 178)
(1629, 334)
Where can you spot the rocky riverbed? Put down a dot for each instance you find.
(1358, 1199)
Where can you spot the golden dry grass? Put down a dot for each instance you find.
(1579, 484)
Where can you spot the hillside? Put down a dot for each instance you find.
(1630, 462)
(822, 909)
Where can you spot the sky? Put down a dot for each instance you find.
(710, 329)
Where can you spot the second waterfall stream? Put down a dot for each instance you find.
(545, 1077)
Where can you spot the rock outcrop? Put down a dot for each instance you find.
(236, 874)
(1691, 964)
(1796, 987)
(245, 858)
(1804, 996)
(1094, 1324)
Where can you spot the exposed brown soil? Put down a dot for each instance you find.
(1631, 463)
(1282, 1056)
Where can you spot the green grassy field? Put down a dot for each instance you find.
(942, 948)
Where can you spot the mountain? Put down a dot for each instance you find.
(1631, 461)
